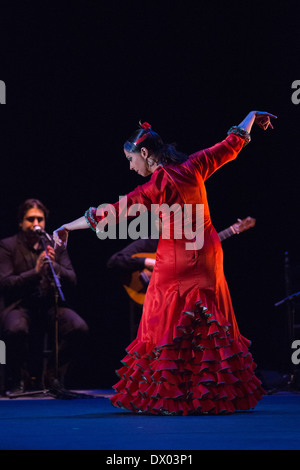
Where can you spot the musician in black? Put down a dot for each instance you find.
(27, 301)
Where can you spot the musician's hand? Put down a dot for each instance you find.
(43, 260)
(149, 263)
(51, 253)
(237, 225)
(60, 236)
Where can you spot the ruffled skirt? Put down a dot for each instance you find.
(203, 370)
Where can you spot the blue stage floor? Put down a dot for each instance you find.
(94, 424)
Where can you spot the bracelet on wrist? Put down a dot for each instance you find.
(89, 217)
(241, 133)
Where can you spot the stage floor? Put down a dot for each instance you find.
(92, 423)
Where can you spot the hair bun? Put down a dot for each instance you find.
(145, 125)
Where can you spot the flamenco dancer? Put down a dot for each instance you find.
(189, 356)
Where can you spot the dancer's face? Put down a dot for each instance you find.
(138, 162)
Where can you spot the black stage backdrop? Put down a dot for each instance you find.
(80, 75)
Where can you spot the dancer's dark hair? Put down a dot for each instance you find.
(146, 137)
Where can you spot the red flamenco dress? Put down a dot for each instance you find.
(189, 356)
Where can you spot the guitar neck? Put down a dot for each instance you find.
(228, 232)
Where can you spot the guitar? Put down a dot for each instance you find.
(140, 279)
(239, 227)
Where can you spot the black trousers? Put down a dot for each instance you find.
(23, 330)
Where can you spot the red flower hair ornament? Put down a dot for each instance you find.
(145, 125)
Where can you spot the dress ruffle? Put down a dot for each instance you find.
(202, 370)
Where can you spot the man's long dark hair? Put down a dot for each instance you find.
(29, 204)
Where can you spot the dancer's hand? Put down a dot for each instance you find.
(60, 236)
(263, 119)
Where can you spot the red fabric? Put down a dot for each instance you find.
(188, 356)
